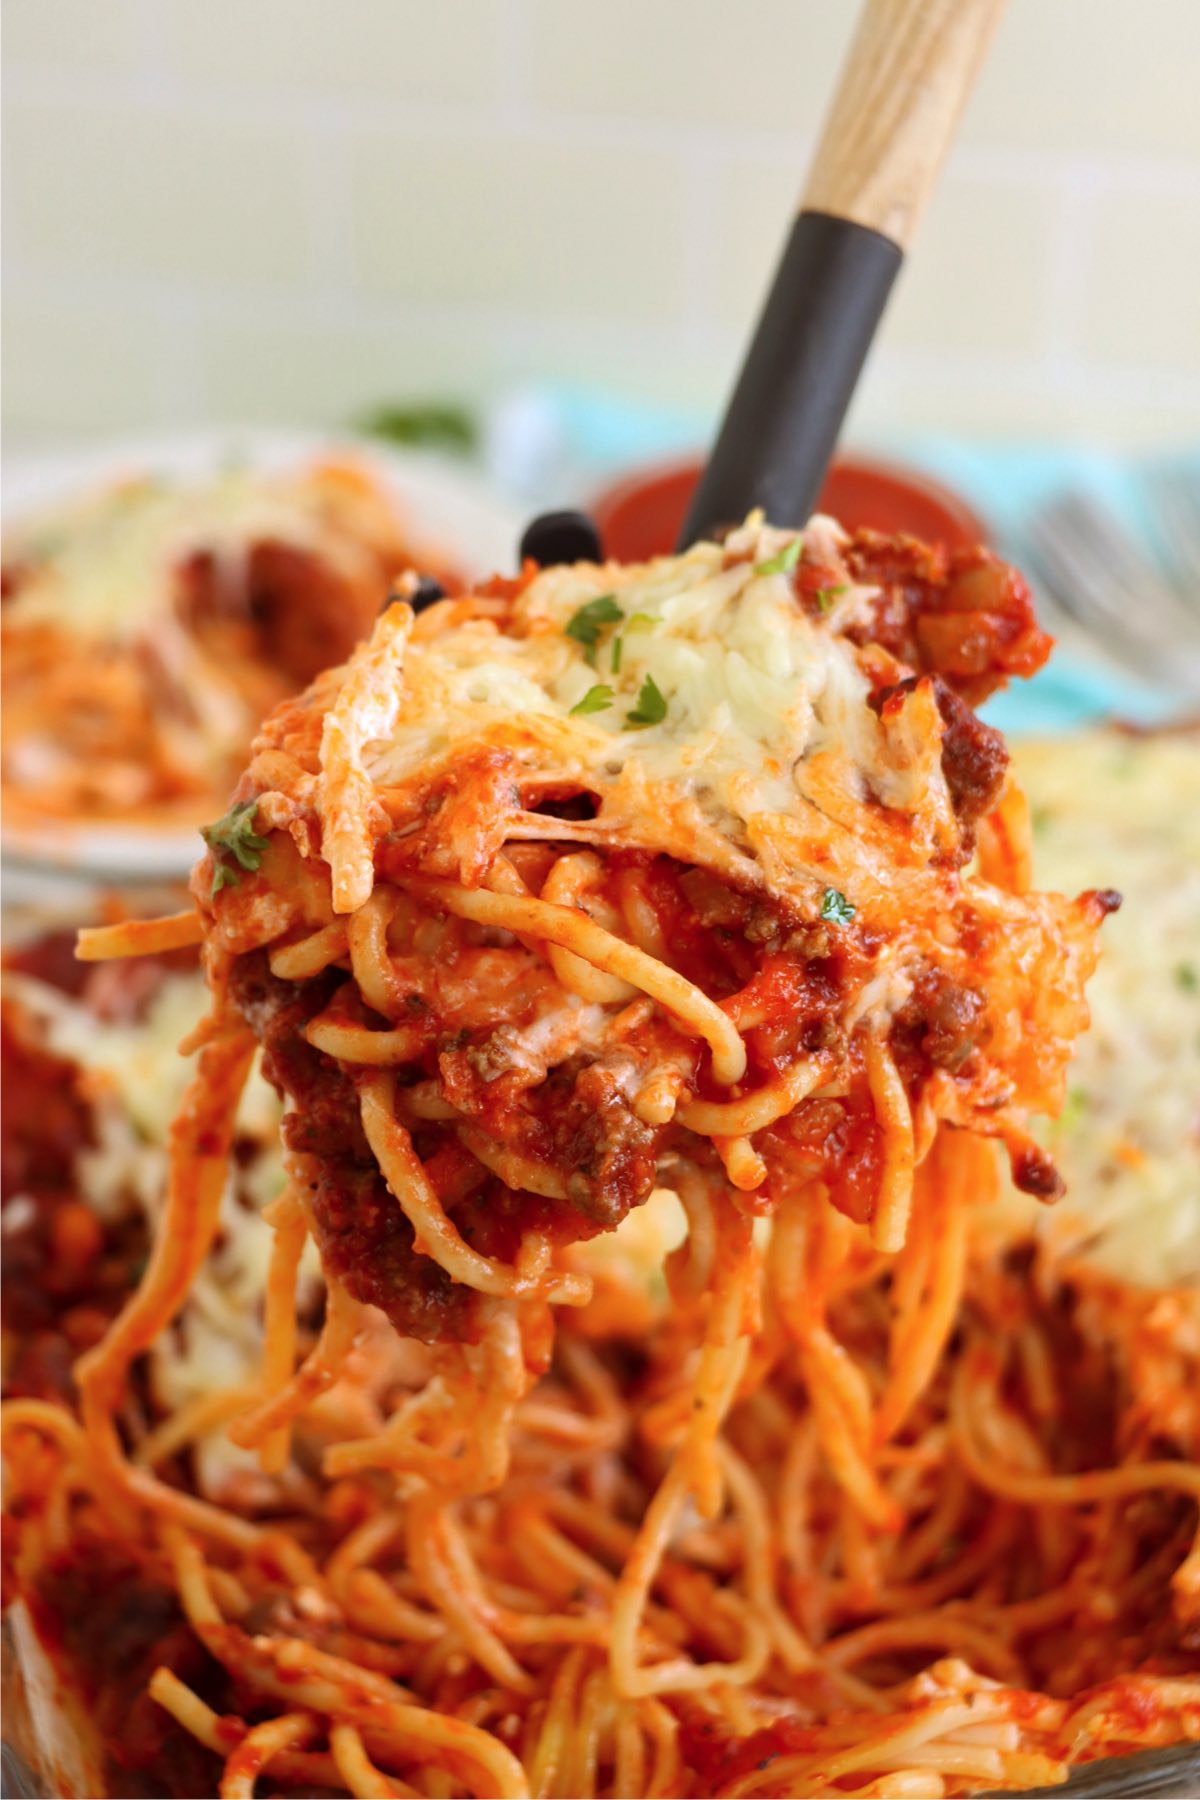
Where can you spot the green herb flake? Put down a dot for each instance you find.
(431, 425)
(640, 621)
(825, 597)
(586, 625)
(785, 562)
(1186, 977)
(651, 708)
(835, 908)
(597, 699)
(234, 836)
(618, 650)
(223, 877)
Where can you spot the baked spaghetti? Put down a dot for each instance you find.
(149, 626)
(648, 963)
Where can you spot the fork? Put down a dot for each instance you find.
(1103, 581)
(1174, 491)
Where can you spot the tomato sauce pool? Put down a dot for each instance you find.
(641, 515)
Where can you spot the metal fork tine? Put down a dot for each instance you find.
(1104, 582)
(1079, 581)
(1116, 561)
(1175, 496)
(1069, 547)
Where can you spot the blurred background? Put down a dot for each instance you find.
(298, 210)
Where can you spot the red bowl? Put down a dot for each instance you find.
(641, 515)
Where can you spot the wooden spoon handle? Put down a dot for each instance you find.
(906, 80)
(903, 88)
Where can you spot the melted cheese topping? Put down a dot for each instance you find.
(135, 1080)
(105, 564)
(750, 684)
(692, 685)
(134, 1068)
(1106, 806)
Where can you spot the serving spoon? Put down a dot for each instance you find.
(906, 79)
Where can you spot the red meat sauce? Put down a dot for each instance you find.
(116, 993)
(363, 1236)
(63, 1275)
(467, 1001)
(963, 615)
(64, 1272)
(940, 1026)
(974, 755)
(289, 609)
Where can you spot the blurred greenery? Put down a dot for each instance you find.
(424, 425)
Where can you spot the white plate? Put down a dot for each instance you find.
(445, 506)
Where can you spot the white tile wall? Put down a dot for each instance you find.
(336, 50)
(290, 209)
(518, 221)
(109, 192)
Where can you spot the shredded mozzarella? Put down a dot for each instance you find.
(135, 1079)
(753, 688)
(1110, 809)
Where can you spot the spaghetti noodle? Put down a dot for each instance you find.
(818, 1514)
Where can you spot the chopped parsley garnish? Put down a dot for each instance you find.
(825, 597)
(651, 708)
(1186, 977)
(618, 650)
(785, 562)
(835, 908)
(234, 836)
(597, 699)
(586, 625)
(639, 619)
